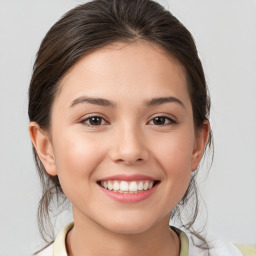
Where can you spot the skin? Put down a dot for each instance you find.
(127, 141)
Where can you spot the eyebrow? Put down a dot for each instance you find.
(95, 101)
(108, 103)
(162, 100)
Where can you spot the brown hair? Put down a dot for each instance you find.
(92, 26)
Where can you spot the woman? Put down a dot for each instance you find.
(119, 120)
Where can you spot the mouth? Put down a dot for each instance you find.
(131, 186)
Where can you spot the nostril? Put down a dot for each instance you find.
(130, 161)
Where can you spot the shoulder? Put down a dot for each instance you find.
(58, 248)
(217, 248)
(247, 250)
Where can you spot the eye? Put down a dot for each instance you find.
(162, 120)
(94, 121)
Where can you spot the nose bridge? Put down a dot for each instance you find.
(129, 146)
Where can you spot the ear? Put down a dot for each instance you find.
(43, 146)
(201, 138)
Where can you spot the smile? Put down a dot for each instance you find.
(128, 188)
(122, 186)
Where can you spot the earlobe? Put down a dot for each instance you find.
(43, 146)
(200, 143)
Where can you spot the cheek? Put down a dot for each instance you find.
(174, 155)
(76, 158)
(175, 150)
(177, 167)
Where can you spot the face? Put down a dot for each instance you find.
(122, 138)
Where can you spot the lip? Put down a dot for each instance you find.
(129, 197)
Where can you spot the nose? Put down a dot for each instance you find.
(129, 147)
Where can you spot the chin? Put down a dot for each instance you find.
(130, 225)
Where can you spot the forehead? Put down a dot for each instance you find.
(143, 67)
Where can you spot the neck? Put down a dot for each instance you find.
(90, 239)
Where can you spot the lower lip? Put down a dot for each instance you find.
(129, 197)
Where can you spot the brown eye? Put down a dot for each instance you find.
(162, 120)
(94, 121)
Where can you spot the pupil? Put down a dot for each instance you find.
(159, 120)
(95, 120)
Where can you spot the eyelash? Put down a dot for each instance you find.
(170, 121)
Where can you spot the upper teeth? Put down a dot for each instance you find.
(127, 186)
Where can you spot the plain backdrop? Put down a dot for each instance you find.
(225, 34)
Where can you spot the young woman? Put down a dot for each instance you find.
(119, 111)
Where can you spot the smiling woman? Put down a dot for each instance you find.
(119, 111)
(125, 141)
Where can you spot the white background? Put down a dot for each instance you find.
(225, 33)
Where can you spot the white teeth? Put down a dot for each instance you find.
(140, 186)
(145, 187)
(126, 187)
(133, 186)
(116, 186)
(110, 186)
